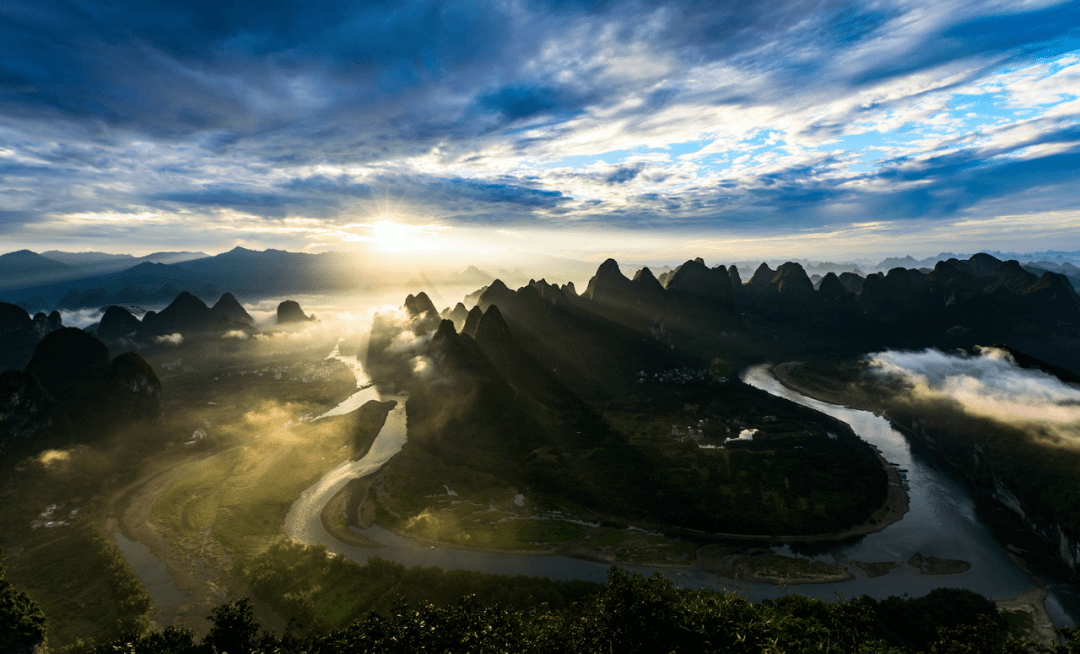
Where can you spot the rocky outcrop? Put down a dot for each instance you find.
(852, 282)
(792, 285)
(973, 461)
(551, 293)
(472, 320)
(186, 313)
(229, 310)
(20, 334)
(289, 311)
(46, 324)
(492, 328)
(118, 322)
(68, 362)
(831, 288)
(135, 389)
(17, 336)
(190, 316)
(640, 297)
(29, 416)
(694, 280)
(760, 281)
(457, 315)
(71, 391)
(737, 289)
(1066, 547)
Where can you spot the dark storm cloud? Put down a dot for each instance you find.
(170, 69)
(256, 203)
(1013, 34)
(623, 174)
(523, 101)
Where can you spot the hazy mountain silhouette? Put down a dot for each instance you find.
(289, 311)
(73, 390)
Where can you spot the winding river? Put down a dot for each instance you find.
(942, 522)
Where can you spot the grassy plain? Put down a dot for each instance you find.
(263, 450)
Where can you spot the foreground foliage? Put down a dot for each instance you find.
(630, 613)
(22, 624)
(316, 592)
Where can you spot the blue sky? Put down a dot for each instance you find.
(641, 129)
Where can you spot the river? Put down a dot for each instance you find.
(942, 522)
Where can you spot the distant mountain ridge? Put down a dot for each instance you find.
(781, 312)
(74, 280)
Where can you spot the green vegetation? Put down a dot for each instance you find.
(52, 501)
(627, 614)
(316, 591)
(22, 623)
(55, 550)
(802, 472)
(636, 462)
(83, 584)
(237, 497)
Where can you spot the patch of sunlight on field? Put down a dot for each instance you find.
(243, 493)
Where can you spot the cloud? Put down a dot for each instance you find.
(273, 205)
(987, 383)
(170, 339)
(704, 115)
(519, 102)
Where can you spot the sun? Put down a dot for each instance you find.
(400, 237)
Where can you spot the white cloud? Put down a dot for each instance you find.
(988, 384)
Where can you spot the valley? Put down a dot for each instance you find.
(537, 432)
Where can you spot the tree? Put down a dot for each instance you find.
(22, 623)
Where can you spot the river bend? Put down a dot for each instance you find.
(942, 522)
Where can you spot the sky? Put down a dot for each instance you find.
(586, 129)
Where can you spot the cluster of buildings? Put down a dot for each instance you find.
(680, 376)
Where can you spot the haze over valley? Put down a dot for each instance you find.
(585, 424)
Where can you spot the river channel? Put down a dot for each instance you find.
(943, 521)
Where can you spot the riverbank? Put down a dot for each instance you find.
(1029, 612)
(203, 571)
(843, 395)
(353, 506)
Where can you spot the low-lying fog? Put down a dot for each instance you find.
(347, 316)
(988, 383)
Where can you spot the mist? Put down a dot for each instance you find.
(987, 383)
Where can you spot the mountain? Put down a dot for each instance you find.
(72, 390)
(26, 267)
(597, 398)
(959, 303)
(101, 261)
(143, 283)
(278, 271)
(83, 259)
(290, 311)
(56, 272)
(117, 322)
(544, 392)
(189, 315)
(20, 334)
(25, 262)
